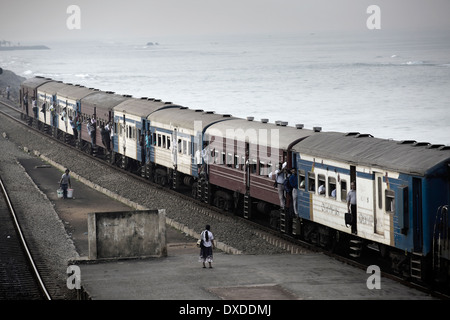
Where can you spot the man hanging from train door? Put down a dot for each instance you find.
(351, 205)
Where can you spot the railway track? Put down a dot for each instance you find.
(266, 233)
(19, 275)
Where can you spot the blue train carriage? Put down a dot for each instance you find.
(177, 136)
(68, 100)
(47, 105)
(400, 188)
(28, 91)
(130, 126)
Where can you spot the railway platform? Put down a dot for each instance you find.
(180, 277)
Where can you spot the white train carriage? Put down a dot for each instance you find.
(130, 124)
(68, 104)
(47, 94)
(177, 137)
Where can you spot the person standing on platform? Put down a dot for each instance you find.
(65, 183)
(206, 246)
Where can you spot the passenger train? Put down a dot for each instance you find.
(402, 187)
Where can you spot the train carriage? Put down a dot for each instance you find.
(100, 106)
(130, 126)
(400, 188)
(178, 136)
(47, 93)
(245, 153)
(28, 91)
(69, 105)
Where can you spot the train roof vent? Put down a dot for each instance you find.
(127, 95)
(150, 99)
(250, 118)
(157, 100)
(407, 142)
(435, 146)
(299, 125)
(226, 115)
(349, 134)
(209, 112)
(198, 110)
(444, 148)
(278, 122)
(284, 123)
(421, 144)
(144, 98)
(264, 120)
(183, 108)
(317, 129)
(39, 77)
(364, 135)
(110, 92)
(168, 102)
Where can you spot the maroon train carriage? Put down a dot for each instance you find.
(99, 106)
(243, 154)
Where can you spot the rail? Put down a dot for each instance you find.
(23, 242)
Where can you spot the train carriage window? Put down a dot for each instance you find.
(301, 179)
(159, 140)
(380, 194)
(332, 187)
(311, 182)
(230, 157)
(184, 147)
(236, 162)
(262, 168)
(390, 201)
(179, 146)
(322, 185)
(224, 159)
(164, 141)
(168, 143)
(154, 138)
(343, 190)
(253, 166)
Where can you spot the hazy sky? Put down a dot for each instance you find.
(45, 20)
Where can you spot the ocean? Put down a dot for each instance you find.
(391, 86)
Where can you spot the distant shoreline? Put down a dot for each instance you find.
(11, 48)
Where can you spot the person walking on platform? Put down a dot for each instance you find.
(206, 245)
(64, 183)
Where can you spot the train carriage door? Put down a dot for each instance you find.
(247, 166)
(417, 213)
(378, 204)
(175, 146)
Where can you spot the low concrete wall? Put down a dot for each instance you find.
(128, 234)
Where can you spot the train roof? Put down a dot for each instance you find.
(401, 156)
(142, 107)
(188, 118)
(102, 99)
(74, 92)
(282, 135)
(52, 87)
(35, 82)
